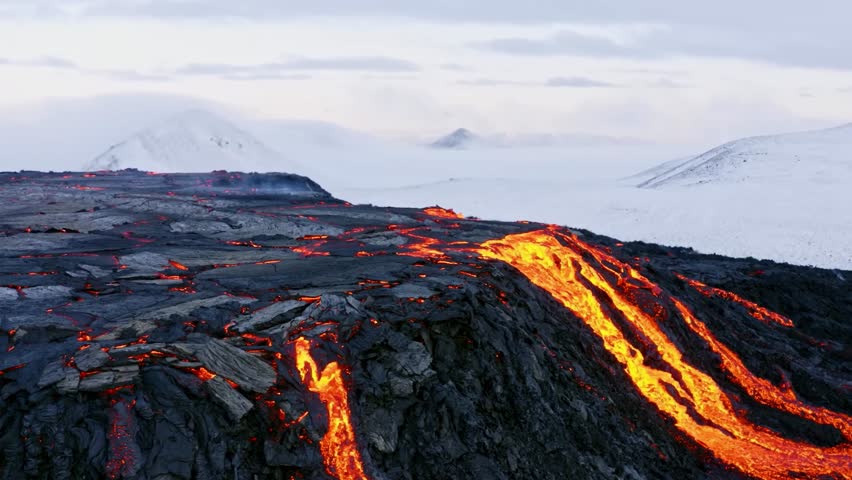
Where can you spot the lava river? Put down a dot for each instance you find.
(338, 446)
(596, 287)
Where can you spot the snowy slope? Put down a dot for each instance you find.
(656, 170)
(820, 156)
(194, 140)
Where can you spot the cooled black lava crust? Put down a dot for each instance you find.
(147, 325)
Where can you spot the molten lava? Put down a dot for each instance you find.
(339, 448)
(754, 309)
(442, 213)
(691, 397)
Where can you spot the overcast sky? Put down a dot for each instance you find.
(662, 70)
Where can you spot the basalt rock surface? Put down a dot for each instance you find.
(225, 325)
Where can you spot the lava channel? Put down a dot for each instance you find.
(564, 271)
(338, 446)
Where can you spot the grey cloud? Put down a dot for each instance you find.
(367, 64)
(374, 64)
(563, 43)
(47, 62)
(666, 83)
(679, 41)
(805, 34)
(54, 62)
(373, 76)
(721, 12)
(132, 75)
(64, 64)
(455, 67)
(266, 76)
(491, 82)
(577, 82)
(567, 82)
(213, 69)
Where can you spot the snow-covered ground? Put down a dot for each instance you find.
(800, 226)
(783, 197)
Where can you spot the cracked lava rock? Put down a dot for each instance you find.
(227, 325)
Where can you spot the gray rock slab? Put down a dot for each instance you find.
(236, 405)
(8, 294)
(247, 371)
(48, 292)
(270, 316)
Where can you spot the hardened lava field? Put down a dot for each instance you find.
(229, 325)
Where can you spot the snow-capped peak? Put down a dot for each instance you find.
(194, 140)
(459, 138)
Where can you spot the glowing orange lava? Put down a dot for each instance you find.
(178, 265)
(442, 213)
(692, 398)
(755, 310)
(339, 448)
(420, 245)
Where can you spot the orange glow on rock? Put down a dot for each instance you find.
(421, 246)
(202, 373)
(178, 265)
(442, 213)
(573, 273)
(338, 447)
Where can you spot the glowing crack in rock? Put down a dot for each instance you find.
(691, 397)
(338, 447)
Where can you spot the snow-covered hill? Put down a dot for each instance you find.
(820, 157)
(195, 140)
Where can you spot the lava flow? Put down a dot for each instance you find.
(754, 309)
(443, 213)
(696, 402)
(339, 447)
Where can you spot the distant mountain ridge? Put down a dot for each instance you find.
(459, 138)
(462, 138)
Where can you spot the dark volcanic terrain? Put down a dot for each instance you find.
(227, 325)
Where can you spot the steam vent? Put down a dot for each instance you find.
(248, 326)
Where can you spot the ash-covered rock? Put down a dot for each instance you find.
(200, 326)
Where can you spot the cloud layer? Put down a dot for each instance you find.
(284, 69)
(682, 41)
(805, 34)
